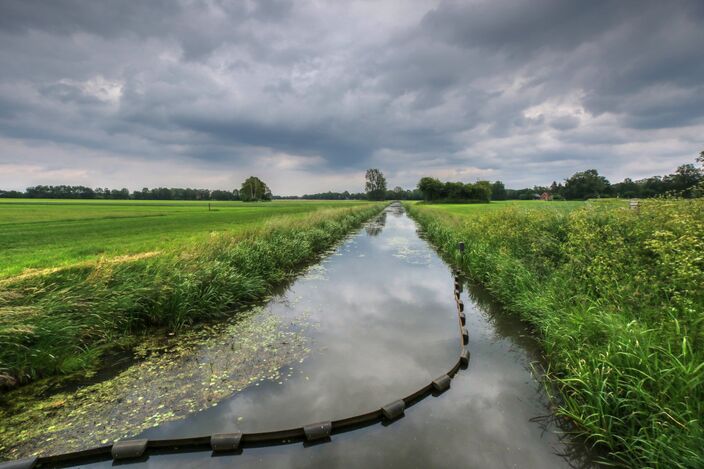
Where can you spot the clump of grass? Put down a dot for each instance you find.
(63, 321)
(617, 296)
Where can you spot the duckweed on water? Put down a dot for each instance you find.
(189, 373)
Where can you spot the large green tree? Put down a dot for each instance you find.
(586, 184)
(431, 188)
(375, 186)
(254, 190)
(684, 181)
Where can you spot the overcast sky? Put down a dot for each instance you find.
(308, 94)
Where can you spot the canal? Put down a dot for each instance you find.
(374, 321)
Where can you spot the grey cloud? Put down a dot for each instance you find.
(524, 26)
(527, 91)
(564, 122)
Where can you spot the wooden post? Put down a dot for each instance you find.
(461, 247)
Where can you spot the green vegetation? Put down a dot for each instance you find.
(434, 190)
(375, 185)
(473, 209)
(40, 234)
(687, 181)
(617, 296)
(165, 384)
(254, 190)
(62, 320)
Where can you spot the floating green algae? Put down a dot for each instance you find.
(171, 379)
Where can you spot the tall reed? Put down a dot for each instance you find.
(617, 296)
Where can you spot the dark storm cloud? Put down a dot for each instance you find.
(527, 91)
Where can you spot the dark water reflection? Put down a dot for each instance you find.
(384, 325)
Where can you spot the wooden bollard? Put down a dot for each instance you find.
(461, 247)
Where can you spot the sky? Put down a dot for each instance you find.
(309, 94)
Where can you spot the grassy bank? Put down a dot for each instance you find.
(63, 321)
(617, 296)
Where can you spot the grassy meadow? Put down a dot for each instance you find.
(109, 271)
(617, 297)
(41, 234)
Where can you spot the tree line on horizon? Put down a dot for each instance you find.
(397, 193)
(252, 189)
(374, 189)
(687, 181)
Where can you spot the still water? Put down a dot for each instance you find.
(382, 323)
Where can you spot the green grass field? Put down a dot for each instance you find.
(38, 234)
(617, 297)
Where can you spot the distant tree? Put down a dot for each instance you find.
(254, 189)
(404, 194)
(11, 194)
(375, 186)
(336, 196)
(698, 190)
(557, 189)
(455, 190)
(627, 189)
(224, 195)
(586, 184)
(684, 180)
(434, 190)
(118, 193)
(498, 191)
(481, 191)
(431, 188)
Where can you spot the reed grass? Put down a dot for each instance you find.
(617, 297)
